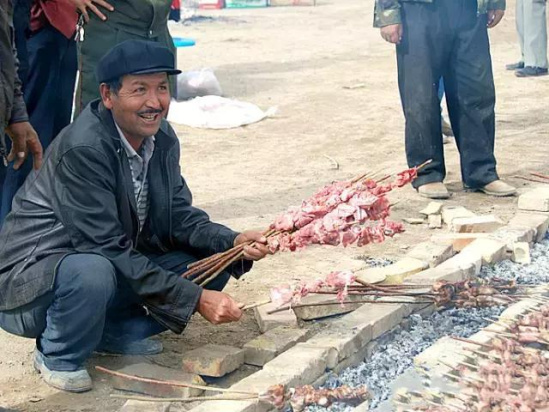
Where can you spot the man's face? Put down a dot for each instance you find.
(140, 104)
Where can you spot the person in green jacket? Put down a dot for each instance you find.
(446, 39)
(122, 20)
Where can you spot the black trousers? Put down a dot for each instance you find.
(447, 39)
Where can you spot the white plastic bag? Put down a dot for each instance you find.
(197, 83)
(214, 112)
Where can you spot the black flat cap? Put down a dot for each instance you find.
(135, 57)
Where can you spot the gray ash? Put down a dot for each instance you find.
(395, 356)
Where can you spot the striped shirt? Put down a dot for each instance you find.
(139, 166)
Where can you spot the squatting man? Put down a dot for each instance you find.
(92, 252)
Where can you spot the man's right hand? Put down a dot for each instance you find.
(218, 307)
(392, 33)
(84, 5)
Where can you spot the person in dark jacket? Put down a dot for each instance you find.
(92, 252)
(448, 39)
(14, 120)
(44, 37)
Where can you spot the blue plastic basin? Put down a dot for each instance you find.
(183, 42)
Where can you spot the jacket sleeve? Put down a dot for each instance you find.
(85, 202)
(386, 12)
(192, 227)
(19, 110)
(496, 5)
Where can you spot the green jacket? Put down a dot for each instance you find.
(131, 19)
(387, 12)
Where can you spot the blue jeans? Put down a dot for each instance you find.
(440, 91)
(89, 301)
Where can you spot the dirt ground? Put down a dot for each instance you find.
(301, 59)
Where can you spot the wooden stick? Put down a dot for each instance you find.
(171, 383)
(255, 305)
(540, 175)
(221, 267)
(190, 399)
(305, 305)
(472, 342)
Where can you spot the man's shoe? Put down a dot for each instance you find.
(435, 190)
(70, 381)
(499, 188)
(514, 66)
(121, 346)
(530, 71)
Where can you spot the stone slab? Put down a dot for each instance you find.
(267, 322)
(434, 221)
(381, 317)
(213, 360)
(152, 371)
(347, 337)
(511, 235)
(445, 351)
(430, 276)
(267, 346)
(400, 270)
(432, 253)
(537, 221)
(449, 213)
(308, 313)
(535, 200)
(433, 208)
(521, 253)
(491, 250)
(414, 220)
(141, 406)
(476, 224)
(458, 240)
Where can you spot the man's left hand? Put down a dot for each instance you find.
(24, 139)
(258, 249)
(494, 17)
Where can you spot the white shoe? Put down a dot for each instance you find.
(70, 381)
(499, 188)
(435, 190)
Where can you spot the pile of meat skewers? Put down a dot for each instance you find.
(443, 294)
(508, 375)
(279, 396)
(346, 213)
(301, 397)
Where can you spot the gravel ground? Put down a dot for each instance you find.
(395, 356)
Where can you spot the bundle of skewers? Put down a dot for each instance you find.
(443, 294)
(506, 375)
(345, 212)
(278, 396)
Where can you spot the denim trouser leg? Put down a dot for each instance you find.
(68, 322)
(127, 318)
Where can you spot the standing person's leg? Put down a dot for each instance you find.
(68, 321)
(51, 79)
(470, 93)
(419, 57)
(8, 182)
(44, 97)
(519, 21)
(535, 39)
